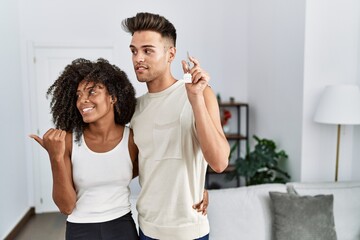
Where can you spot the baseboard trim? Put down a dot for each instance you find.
(21, 224)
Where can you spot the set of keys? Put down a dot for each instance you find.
(187, 78)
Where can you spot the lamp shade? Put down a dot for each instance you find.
(339, 104)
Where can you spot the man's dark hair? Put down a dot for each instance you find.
(153, 22)
(65, 114)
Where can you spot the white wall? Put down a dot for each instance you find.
(276, 55)
(331, 57)
(203, 33)
(309, 44)
(13, 164)
(356, 155)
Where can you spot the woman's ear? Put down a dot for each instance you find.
(113, 99)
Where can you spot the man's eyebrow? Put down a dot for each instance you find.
(143, 46)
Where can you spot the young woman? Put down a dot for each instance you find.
(92, 153)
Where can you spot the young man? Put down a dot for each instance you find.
(177, 130)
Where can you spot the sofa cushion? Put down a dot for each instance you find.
(241, 213)
(303, 217)
(346, 204)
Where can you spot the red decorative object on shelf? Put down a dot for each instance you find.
(226, 115)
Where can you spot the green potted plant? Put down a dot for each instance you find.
(261, 165)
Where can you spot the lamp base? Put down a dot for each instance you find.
(337, 152)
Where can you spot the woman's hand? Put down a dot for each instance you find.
(203, 204)
(58, 148)
(53, 141)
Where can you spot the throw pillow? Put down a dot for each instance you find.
(303, 217)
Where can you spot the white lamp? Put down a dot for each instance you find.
(339, 104)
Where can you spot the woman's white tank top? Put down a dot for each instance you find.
(101, 181)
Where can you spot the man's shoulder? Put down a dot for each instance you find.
(141, 98)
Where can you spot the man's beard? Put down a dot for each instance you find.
(141, 78)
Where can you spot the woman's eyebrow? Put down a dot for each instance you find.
(87, 88)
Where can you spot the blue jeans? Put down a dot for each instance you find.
(143, 237)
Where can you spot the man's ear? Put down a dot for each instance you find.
(172, 53)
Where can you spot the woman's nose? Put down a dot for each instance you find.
(83, 98)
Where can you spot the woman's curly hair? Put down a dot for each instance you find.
(65, 114)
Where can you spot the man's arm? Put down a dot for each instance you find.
(213, 142)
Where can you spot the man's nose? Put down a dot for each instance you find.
(139, 57)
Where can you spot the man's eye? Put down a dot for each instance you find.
(133, 52)
(92, 92)
(147, 51)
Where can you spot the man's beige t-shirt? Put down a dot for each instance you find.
(171, 166)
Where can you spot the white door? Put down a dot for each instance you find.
(48, 63)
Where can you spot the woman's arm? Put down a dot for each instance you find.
(133, 151)
(58, 144)
(203, 204)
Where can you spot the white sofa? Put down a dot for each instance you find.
(245, 213)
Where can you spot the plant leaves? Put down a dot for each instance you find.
(261, 165)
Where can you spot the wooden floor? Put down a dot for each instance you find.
(44, 226)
